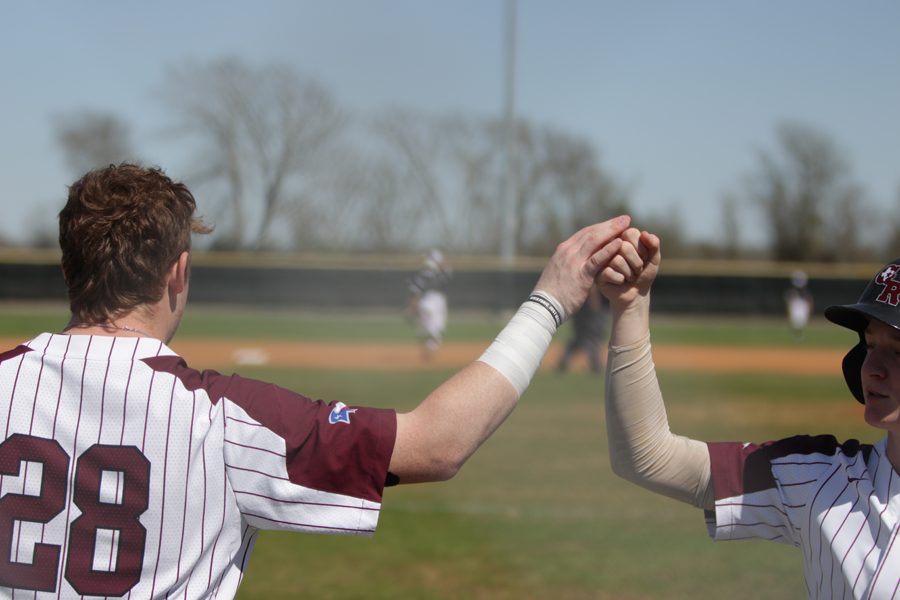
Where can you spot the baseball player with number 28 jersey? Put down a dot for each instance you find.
(126, 473)
(227, 457)
(839, 503)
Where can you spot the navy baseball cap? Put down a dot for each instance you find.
(881, 301)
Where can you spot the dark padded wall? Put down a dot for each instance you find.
(339, 288)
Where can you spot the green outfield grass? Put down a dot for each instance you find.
(204, 321)
(537, 512)
(751, 331)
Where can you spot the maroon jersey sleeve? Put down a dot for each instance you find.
(328, 447)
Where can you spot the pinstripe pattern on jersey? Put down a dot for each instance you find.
(286, 416)
(839, 503)
(226, 458)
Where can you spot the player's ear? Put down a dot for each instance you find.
(177, 278)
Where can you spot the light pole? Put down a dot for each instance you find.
(509, 194)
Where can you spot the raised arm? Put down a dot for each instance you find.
(440, 434)
(642, 448)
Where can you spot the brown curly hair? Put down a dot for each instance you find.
(123, 226)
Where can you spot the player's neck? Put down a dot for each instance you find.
(125, 326)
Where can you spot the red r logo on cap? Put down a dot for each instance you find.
(891, 292)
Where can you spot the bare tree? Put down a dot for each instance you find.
(893, 234)
(475, 149)
(807, 196)
(262, 134)
(410, 195)
(669, 227)
(348, 206)
(42, 231)
(846, 220)
(562, 187)
(452, 167)
(731, 228)
(91, 139)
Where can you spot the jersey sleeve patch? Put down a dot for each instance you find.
(329, 447)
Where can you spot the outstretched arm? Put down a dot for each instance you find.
(642, 448)
(440, 434)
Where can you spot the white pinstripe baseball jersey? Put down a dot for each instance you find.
(124, 472)
(839, 503)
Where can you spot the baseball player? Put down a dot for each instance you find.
(125, 472)
(836, 501)
(428, 301)
(798, 302)
(588, 329)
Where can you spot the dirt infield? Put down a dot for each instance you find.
(381, 356)
(234, 353)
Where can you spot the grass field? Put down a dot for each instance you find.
(537, 513)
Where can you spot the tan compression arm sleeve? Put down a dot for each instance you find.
(641, 447)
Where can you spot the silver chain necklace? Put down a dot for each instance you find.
(127, 328)
(111, 326)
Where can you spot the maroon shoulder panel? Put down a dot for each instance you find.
(345, 455)
(17, 351)
(745, 468)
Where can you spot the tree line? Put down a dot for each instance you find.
(278, 164)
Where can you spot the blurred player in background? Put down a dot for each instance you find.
(799, 304)
(588, 331)
(125, 471)
(428, 301)
(836, 501)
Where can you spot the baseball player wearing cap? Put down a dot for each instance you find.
(798, 302)
(838, 502)
(123, 471)
(428, 301)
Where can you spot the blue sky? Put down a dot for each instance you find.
(676, 96)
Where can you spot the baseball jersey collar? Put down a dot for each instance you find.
(98, 347)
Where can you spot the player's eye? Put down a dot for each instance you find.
(885, 351)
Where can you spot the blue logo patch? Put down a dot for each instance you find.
(340, 414)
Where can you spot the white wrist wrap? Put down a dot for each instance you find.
(518, 349)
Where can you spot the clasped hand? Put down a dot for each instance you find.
(630, 273)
